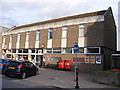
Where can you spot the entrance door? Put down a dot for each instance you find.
(39, 60)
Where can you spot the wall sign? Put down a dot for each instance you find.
(39, 51)
(98, 59)
(48, 58)
(4, 47)
(79, 60)
(92, 60)
(87, 59)
(44, 58)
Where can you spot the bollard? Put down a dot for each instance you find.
(76, 78)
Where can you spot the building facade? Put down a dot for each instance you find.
(52, 40)
(2, 29)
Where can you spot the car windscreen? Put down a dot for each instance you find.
(13, 64)
(1, 61)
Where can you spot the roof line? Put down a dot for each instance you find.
(63, 18)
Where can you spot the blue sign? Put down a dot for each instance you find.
(76, 48)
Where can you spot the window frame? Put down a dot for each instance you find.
(38, 35)
(50, 33)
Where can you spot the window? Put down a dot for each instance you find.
(81, 50)
(27, 36)
(55, 50)
(25, 50)
(18, 39)
(56, 59)
(13, 50)
(38, 35)
(67, 50)
(3, 39)
(48, 50)
(81, 30)
(31, 50)
(64, 32)
(50, 33)
(11, 36)
(93, 50)
(20, 51)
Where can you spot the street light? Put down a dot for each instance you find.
(76, 48)
(42, 53)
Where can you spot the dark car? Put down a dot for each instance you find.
(3, 63)
(22, 69)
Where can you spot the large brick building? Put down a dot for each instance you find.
(52, 40)
(2, 29)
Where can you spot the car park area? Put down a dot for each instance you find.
(49, 78)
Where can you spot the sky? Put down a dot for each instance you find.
(21, 12)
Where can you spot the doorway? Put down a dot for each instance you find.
(39, 60)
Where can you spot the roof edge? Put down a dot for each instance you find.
(102, 12)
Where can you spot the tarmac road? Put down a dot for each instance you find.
(49, 78)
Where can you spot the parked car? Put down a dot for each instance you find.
(21, 69)
(3, 63)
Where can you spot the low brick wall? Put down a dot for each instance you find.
(110, 78)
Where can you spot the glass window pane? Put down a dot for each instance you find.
(92, 50)
(56, 50)
(81, 50)
(50, 33)
(68, 50)
(38, 35)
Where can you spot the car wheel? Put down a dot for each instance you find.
(36, 73)
(23, 76)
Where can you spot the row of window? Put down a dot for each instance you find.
(85, 50)
(64, 34)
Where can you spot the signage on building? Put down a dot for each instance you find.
(48, 58)
(81, 60)
(98, 59)
(87, 59)
(4, 47)
(44, 58)
(92, 60)
(39, 51)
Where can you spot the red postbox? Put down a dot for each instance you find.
(61, 64)
(67, 64)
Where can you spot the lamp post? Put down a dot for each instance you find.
(76, 48)
(42, 55)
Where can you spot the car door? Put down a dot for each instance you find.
(31, 68)
(26, 68)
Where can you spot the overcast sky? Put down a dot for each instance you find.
(20, 12)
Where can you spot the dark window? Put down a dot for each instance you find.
(81, 50)
(50, 33)
(20, 51)
(92, 50)
(25, 64)
(25, 50)
(30, 64)
(48, 50)
(13, 50)
(68, 50)
(55, 50)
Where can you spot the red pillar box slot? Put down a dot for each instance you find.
(67, 64)
(61, 64)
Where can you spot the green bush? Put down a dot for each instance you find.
(114, 71)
